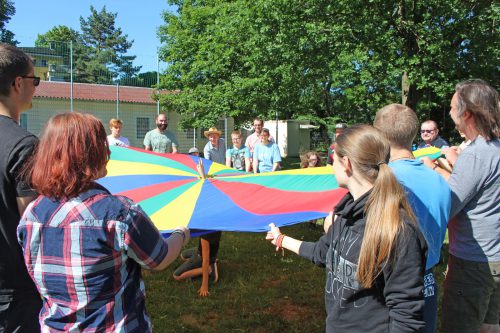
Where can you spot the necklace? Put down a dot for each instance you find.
(402, 158)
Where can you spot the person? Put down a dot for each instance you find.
(202, 260)
(339, 128)
(160, 139)
(115, 138)
(471, 301)
(19, 299)
(428, 193)
(374, 252)
(83, 247)
(215, 149)
(238, 157)
(266, 157)
(193, 151)
(311, 159)
(254, 139)
(430, 136)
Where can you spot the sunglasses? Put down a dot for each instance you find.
(426, 131)
(36, 79)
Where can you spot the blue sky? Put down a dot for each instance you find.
(138, 19)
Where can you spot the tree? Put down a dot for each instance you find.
(60, 33)
(7, 10)
(322, 60)
(106, 59)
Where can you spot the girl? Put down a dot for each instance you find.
(374, 253)
(311, 159)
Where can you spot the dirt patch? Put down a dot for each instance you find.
(287, 310)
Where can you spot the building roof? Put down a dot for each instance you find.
(94, 92)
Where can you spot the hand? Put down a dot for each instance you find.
(201, 169)
(203, 292)
(273, 234)
(328, 221)
(427, 162)
(451, 154)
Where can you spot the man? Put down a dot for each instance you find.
(238, 157)
(471, 300)
(160, 139)
(215, 149)
(20, 302)
(254, 138)
(428, 194)
(339, 128)
(115, 138)
(429, 133)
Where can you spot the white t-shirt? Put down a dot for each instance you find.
(121, 141)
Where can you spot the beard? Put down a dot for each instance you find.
(162, 127)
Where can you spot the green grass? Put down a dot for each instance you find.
(258, 290)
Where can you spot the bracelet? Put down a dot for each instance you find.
(279, 240)
(180, 232)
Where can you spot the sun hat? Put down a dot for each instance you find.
(212, 130)
(193, 150)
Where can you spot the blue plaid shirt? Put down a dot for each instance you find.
(85, 256)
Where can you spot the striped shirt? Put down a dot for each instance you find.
(85, 256)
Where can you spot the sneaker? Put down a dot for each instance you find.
(214, 274)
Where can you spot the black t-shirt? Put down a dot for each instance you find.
(214, 240)
(16, 146)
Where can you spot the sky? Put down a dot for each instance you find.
(137, 19)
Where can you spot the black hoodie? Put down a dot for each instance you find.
(395, 301)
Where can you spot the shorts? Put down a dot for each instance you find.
(471, 295)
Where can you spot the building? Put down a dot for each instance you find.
(133, 105)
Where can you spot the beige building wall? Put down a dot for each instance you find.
(137, 119)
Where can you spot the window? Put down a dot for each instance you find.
(142, 127)
(23, 121)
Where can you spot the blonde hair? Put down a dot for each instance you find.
(113, 122)
(399, 124)
(387, 206)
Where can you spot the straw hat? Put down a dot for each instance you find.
(212, 130)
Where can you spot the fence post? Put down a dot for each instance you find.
(71, 73)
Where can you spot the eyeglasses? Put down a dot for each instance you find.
(426, 131)
(36, 79)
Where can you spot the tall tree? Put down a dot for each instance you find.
(322, 60)
(7, 10)
(107, 47)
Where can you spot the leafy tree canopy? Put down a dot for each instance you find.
(7, 10)
(321, 59)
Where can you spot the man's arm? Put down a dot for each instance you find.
(276, 166)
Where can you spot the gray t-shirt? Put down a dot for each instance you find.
(475, 185)
(217, 155)
(160, 142)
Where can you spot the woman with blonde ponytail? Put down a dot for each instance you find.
(374, 253)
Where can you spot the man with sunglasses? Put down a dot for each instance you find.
(429, 133)
(20, 302)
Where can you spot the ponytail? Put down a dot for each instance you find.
(387, 206)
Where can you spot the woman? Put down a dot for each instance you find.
(83, 247)
(311, 159)
(374, 253)
(266, 155)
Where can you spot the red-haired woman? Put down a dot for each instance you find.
(83, 247)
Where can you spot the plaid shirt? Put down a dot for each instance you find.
(85, 256)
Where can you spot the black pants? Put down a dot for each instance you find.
(19, 314)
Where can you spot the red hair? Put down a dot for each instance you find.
(71, 154)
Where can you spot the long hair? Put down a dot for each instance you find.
(71, 154)
(387, 206)
(482, 101)
(304, 159)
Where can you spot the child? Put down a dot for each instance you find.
(238, 157)
(374, 253)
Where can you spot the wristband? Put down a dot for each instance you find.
(279, 240)
(180, 232)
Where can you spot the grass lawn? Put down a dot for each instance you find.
(258, 290)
